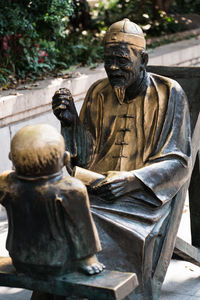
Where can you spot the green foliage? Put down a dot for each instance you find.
(163, 24)
(86, 50)
(186, 6)
(29, 35)
(154, 22)
(38, 37)
(116, 10)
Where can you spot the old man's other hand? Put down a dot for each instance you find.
(116, 184)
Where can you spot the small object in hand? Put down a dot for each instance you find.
(61, 106)
(62, 94)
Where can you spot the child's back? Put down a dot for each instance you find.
(51, 230)
(50, 225)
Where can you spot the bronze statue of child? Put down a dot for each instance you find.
(51, 230)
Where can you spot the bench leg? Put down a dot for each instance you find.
(187, 251)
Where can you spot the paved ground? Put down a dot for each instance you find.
(182, 279)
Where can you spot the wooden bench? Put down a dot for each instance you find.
(108, 285)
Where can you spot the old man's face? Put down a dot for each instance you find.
(122, 65)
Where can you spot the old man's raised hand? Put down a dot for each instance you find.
(63, 107)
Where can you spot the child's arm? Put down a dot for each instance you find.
(4, 185)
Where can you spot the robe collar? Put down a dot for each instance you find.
(44, 177)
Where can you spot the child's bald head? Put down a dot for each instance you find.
(37, 150)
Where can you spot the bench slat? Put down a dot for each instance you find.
(108, 285)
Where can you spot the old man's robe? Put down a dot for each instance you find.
(149, 136)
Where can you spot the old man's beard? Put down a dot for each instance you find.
(120, 93)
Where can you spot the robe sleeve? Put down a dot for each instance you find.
(167, 168)
(81, 140)
(84, 239)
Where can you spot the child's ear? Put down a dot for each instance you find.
(10, 156)
(67, 162)
(67, 158)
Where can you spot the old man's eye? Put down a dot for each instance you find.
(108, 61)
(123, 60)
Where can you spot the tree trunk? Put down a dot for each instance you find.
(163, 5)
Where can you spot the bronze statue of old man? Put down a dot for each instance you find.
(134, 128)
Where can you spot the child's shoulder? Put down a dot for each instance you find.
(71, 183)
(6, 179)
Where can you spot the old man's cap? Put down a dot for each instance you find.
(127, 32)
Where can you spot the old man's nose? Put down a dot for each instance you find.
(114, 67)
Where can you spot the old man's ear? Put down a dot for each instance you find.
(145, 59)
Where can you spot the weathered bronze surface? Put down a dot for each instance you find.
(108, 285)
(48, 235)
(134, 128)
(187, 251)
(189, 79)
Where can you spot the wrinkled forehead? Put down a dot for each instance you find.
(116, 50)
(121, 49)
